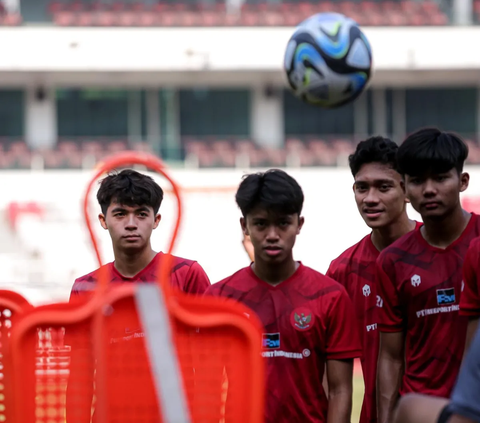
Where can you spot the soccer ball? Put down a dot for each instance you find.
(328, 60)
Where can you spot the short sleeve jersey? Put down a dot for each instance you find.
(470, 299)
(187, 275)
(355, 269)
(307, 320)
(420, 288)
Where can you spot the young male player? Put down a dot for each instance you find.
(308, 317)
(130, 202)
(380, 196)
(422, 335)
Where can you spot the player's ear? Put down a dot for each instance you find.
(402, 185)
(464, 180)
(243, 224)
(158, 217)
(301, 221)
(103, 222)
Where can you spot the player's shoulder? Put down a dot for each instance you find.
(315, 283)
(179, 263)
(242, 280)
(355, 252)
(475, 244)
(87, 282)
(405, 245)
(91, 277)
(238, 278)
(476, 223)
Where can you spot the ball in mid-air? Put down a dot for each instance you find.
(328, 60)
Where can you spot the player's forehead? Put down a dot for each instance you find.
(263, 213)
(377, 173)
(432, 173)
(116, 206)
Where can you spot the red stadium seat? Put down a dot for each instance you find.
(147, 18)
(168, 18)
(84, 18)
(188, 18)
(272, 18)
(56, 6)
(105, 18)
(249, 18)
(127, 18)
(12, 19)
(64, 18)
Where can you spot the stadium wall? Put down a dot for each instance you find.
(44, 253)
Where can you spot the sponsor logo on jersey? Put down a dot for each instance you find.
(271, 341)
(445, 296)
(302, 318)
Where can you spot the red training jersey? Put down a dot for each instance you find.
(308, 319)
(470, 299)
(355, 269)
(420, 286)
(187, 275)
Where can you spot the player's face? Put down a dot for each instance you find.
(379, 194)
(130, 227)
(435, 195)
(272, 235)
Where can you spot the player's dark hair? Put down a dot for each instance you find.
(129, 188)
(431, 150)
(373, 150)
(274, 189)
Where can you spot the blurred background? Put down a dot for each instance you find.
(200, 83)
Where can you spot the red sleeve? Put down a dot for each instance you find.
(331, 271)
(342, 333)
(197, 281)
(470, 296)
(389, 314)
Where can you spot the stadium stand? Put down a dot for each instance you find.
(137, 13)
(209, 152)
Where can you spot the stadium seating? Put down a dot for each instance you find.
(9, 18)
(366, 12)
(207, 152)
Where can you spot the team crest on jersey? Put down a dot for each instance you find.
(416, 280)
(302, 318)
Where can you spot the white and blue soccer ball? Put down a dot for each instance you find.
(328, 60)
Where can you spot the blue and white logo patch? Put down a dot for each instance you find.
(445, 296)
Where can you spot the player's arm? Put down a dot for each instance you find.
(389, 373)
(390, 366)
(342, 346)
(331, 274)
(340, 390)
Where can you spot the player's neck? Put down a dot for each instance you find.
(383, 237)
(443, 231)
(277, 273)
(130, 264)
